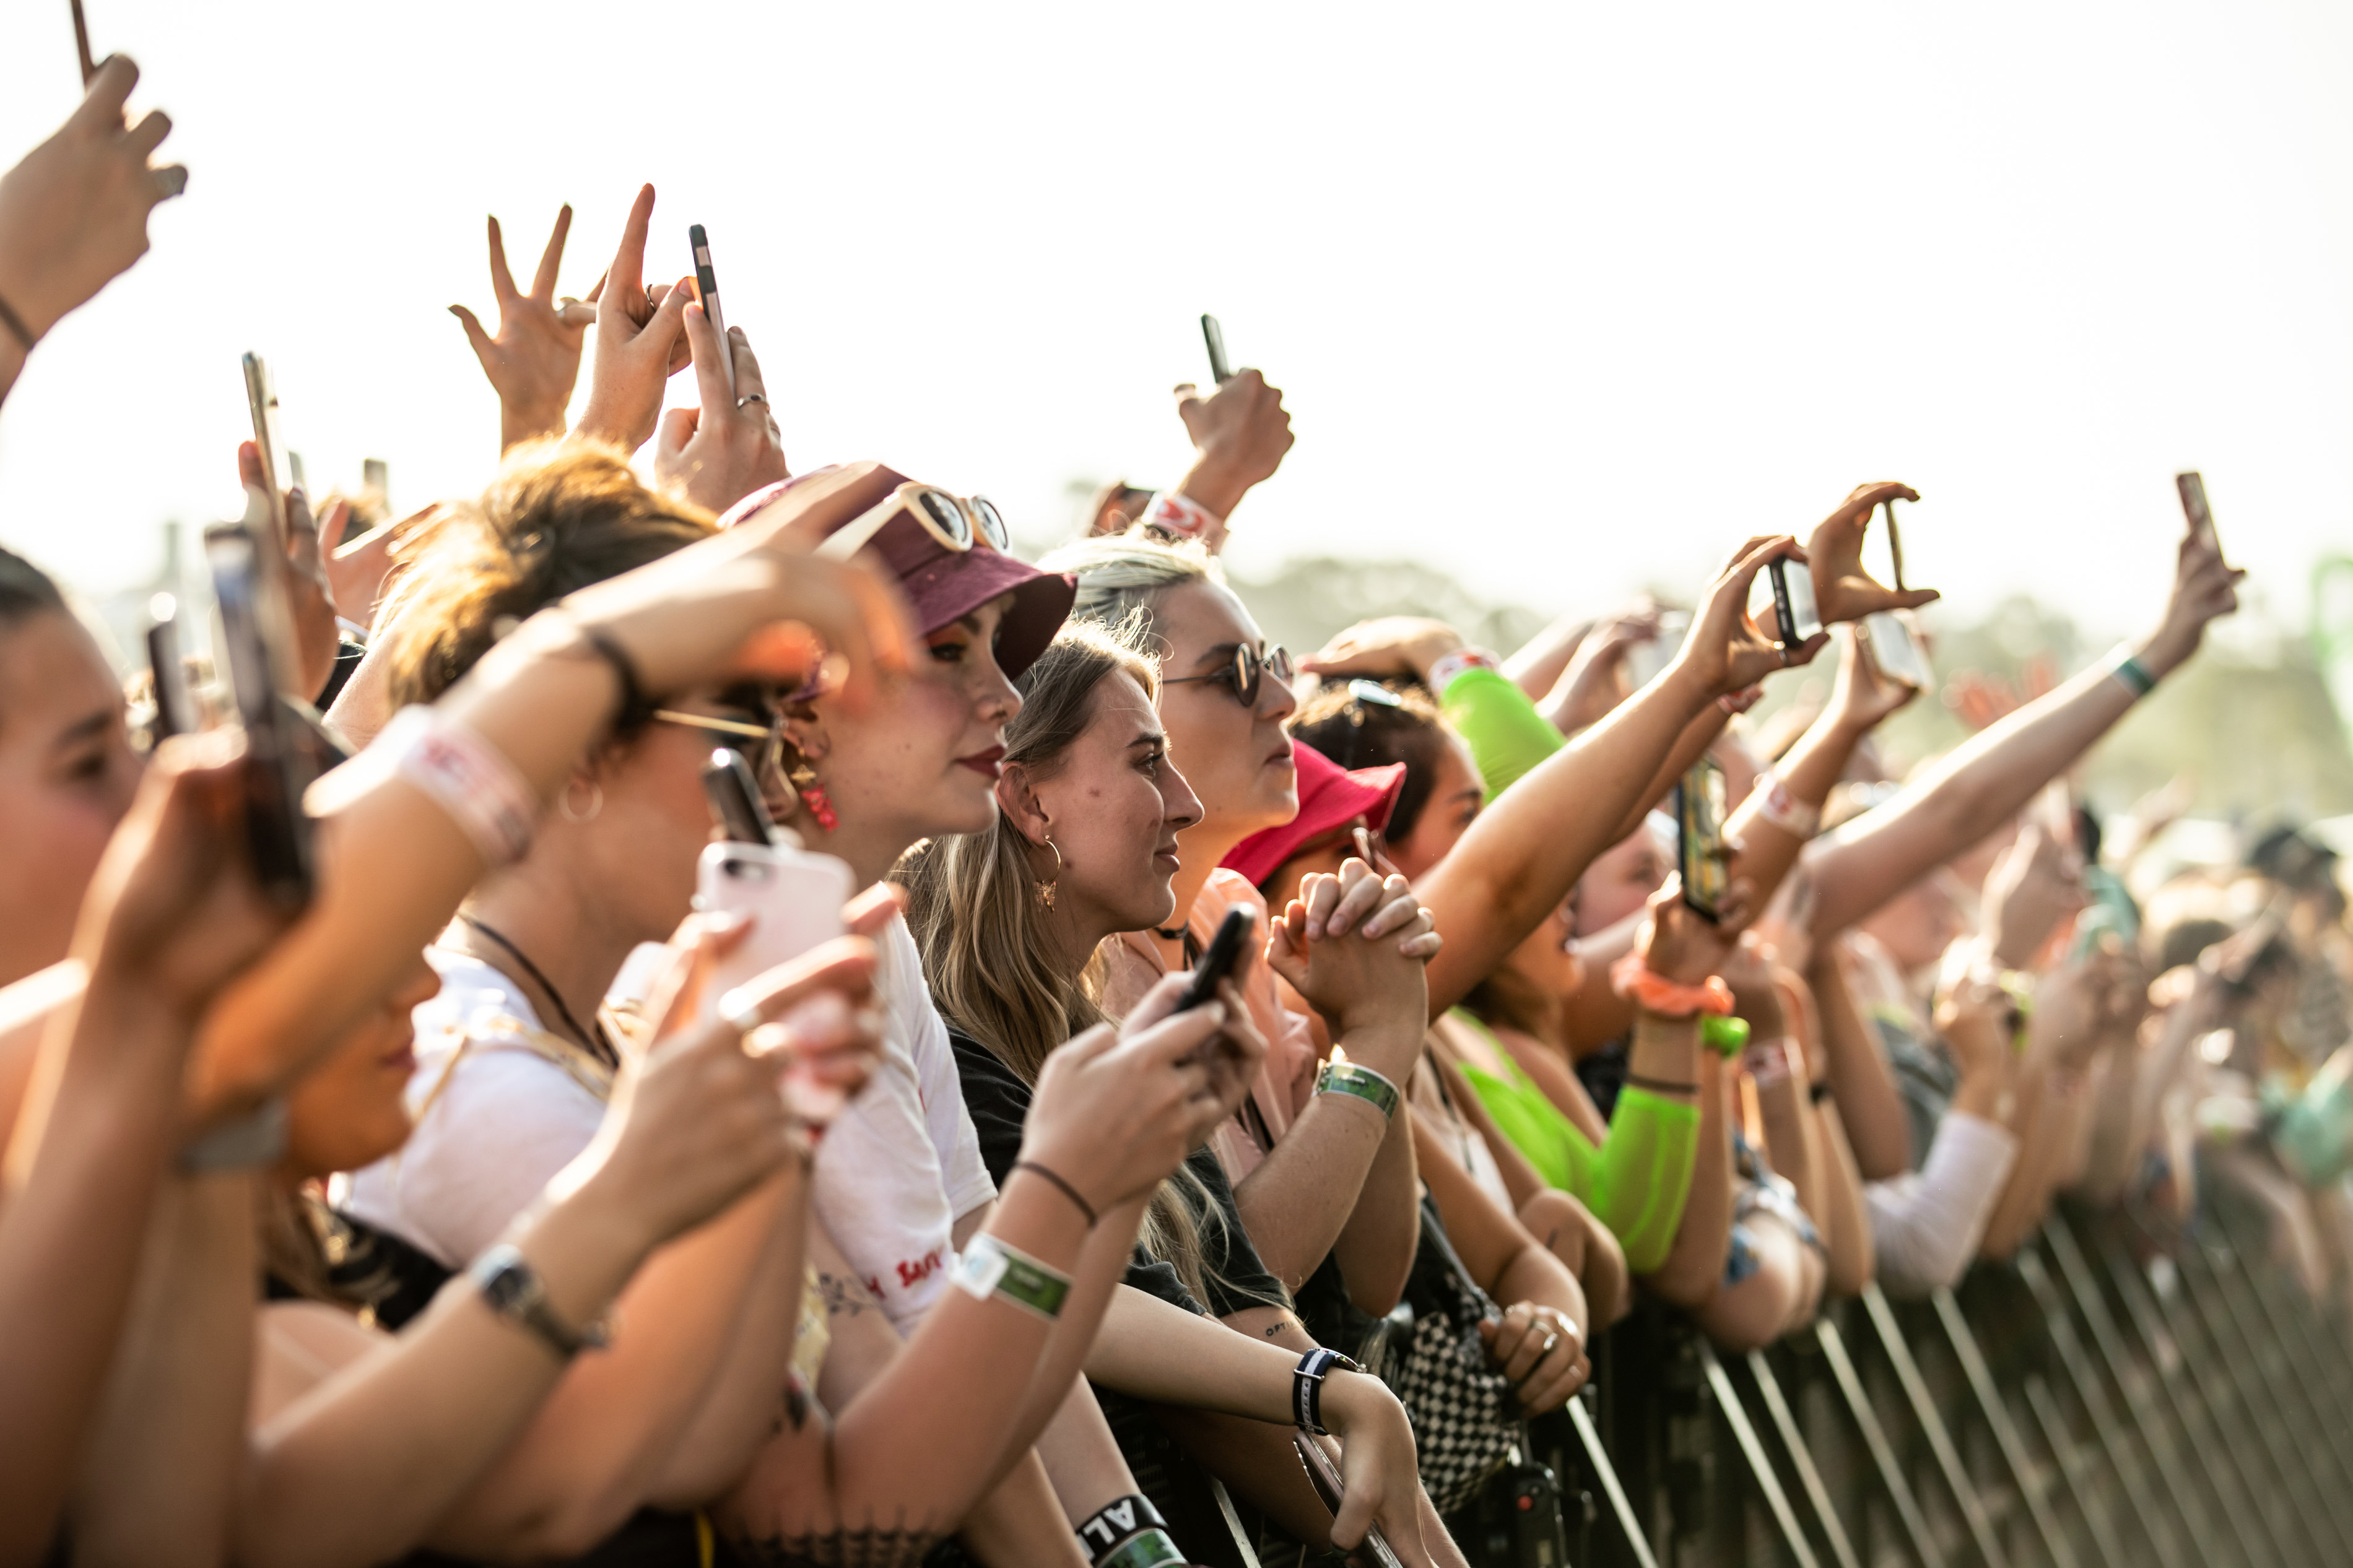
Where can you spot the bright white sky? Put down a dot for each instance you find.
(1565, 299)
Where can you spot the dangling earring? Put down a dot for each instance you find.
(1045, 888)
(596, 802)
(813, 795)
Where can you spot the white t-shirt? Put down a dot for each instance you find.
(497, 1114)
(901, 1164)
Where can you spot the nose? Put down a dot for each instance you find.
(999, 701)
(1275, 698)
(1179, 807)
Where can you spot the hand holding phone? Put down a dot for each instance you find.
(262, 402)
(175, 708)
(1793, 602)
(283, 755)
(1893, 639)
(1225, 959)
(81, 43)
(735, 802)
(1215, 336)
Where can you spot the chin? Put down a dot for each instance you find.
(967, 805)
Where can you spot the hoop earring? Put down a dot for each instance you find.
(1045, 888)
(596, 802)
(820, 806)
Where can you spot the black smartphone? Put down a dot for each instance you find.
(1793, 600)
(81, 42)
(282, 753)
(1699, 839)
(175, 710)
(2192, 486)
(1894, 548)
(735, 798)
(261, 400)
(1215, 336)
(1225, 958)
(706, 293)
(1325, 1477)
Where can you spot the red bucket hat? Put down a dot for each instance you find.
(1330, 796)
(944, 585)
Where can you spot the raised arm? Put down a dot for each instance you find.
(1988, 777)
(1240, 432)
(1519, 859)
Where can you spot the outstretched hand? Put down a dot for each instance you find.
(73, 213)
(1241, 431)
(533, 360)
(1384, 647)
(1860, 695)
(640, 339)
(1843, 591)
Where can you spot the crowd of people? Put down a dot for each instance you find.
(490, 1198)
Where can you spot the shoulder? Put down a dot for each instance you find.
(1224, 887)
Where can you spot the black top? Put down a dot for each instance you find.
(1237, 1280)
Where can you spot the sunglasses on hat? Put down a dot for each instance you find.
(953, 522)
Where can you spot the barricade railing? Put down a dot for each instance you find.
(2092, 1403)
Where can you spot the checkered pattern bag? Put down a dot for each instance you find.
(1430, 1353)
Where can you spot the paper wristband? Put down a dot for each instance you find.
(1785, 811)
(1767, 1061)
(990, 1267)
(1726, 1036)
(1442, 673)
(1173, 513)
(464, 773)
(1144, 1549)
(1347, 1077)
(1117, 1520)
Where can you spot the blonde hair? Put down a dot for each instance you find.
(1123, 575)
(559, 517)
(982, 930)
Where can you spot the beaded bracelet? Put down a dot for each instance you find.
(1337, 1077)
(990, 1267)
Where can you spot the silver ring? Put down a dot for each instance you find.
(1550, 1341)
(750, 397)
(741, 1011)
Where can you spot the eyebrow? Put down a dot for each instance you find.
(85, 728)
(1149, 738)
(1221, 654)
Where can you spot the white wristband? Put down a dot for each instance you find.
(1172, 512)
(1785, 811)
(1444, 672)
(465, 774)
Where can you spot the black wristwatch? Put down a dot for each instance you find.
(511, 1289)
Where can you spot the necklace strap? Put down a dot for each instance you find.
(594, 1039)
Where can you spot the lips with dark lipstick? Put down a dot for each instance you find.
(988, 763)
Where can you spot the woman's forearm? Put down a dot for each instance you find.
(1809, 771)
(1694, 1263)
(1152, 1350)
(1844, 1219)
(1375, 1246)
(100, 1119)
(1869, 1108)
(361, 1467)
(1299, 1199)
(159, 1476)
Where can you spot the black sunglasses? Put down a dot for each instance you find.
(1243, 674)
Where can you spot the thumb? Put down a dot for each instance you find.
(1352, 1518)
(677, 428)
(474, 333)
(1913, 598)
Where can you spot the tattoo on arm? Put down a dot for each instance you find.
(843, 1298)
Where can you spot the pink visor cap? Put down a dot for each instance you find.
(944, 585)
(1330, 796)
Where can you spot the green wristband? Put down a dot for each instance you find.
(1347, 1077)
(2135, 675)
(1727, 1038)
(1144, 1549)
(990, 1267)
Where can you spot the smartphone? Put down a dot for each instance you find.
(1325, 1477)
(735, 799)
(1793, 600)
(1225, 958)
(706, 292)
(1700, 812)
(1894, 547)
(281, 752)
(2192, 486)
(81, 42)
(795, 900)
(175, 709)
(294, 473)
(1893, 639)
(376, 475)
(1215, 336)
(261, 398)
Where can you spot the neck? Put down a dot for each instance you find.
(1199, 849)
(868, 851)
(558, 929)
(1075, 933)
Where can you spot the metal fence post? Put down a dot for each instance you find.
(1932, 1427)
(1874, 1439)
(2005, 1436)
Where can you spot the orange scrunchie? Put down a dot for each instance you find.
(1654, 992)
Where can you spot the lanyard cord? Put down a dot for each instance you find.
(594, 1040)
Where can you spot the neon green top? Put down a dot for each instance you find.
(1507, 735)
(1635, 1183)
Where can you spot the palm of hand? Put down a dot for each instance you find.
(1386, 646)
(533, 358)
